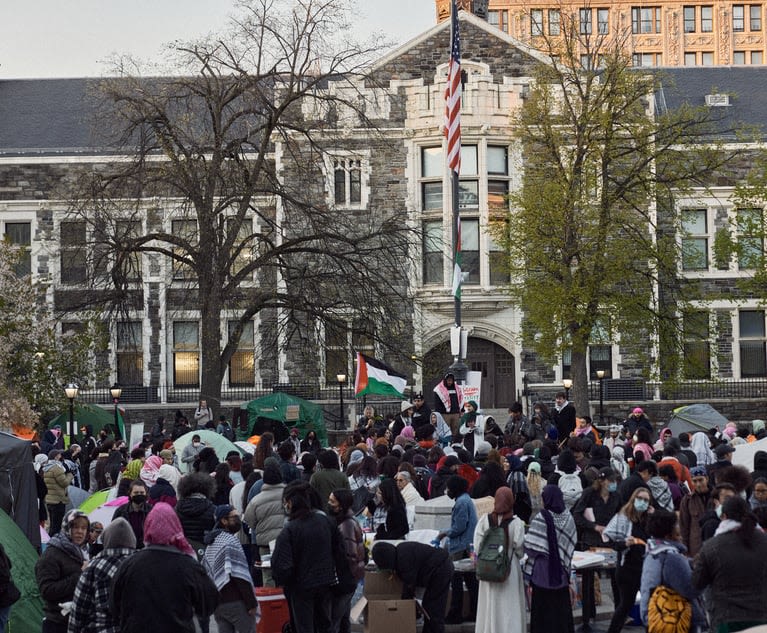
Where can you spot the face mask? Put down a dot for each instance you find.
(640, 505)
(234, 526)
(635, 439)
(138, 499)
(612, 486)
(718, 511)
(195, 444)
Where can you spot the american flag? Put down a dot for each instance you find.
(453, 95)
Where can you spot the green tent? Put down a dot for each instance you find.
(97, 417)
(27, 613)
(288, 410)
(217, 442)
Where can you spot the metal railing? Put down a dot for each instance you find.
(638, 389)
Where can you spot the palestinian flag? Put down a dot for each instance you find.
(376, 377)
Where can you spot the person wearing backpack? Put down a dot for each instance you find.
(569, 482)
(668, 603)
(500, 536)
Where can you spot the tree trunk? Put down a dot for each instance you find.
(579, 395)
(212, 373)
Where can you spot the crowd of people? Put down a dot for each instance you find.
(185, 547)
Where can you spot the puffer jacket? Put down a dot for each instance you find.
(264, 514)
(353, 545)
(57, 574)
(196, 514)
(56, 479)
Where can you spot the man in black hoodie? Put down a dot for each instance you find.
(88, 444)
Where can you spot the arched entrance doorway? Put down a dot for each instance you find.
(492, 360)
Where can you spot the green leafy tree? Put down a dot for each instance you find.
(591, 258)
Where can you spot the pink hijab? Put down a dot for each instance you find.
(162, 527)
(150, 471)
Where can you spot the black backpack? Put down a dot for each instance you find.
(494, 558)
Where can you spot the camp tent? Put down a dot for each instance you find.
(217, 442)
(277, 412)
(695, 417)
(18, 489)
(97, 417)
(27, 613)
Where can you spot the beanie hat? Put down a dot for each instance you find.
(698, 471)
(419, 461)
(638, 410)
(272, 472)
(221, 511)
(119, 534)
(166, 453)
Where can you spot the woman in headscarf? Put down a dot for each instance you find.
(701, 446)
(550, 543)
(58, 569)
(501, 605)
(535, 485)
(170, 474)
(618, 463)
(150, 471)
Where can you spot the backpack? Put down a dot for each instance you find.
(668, 611)
(493, 557)
(571, 487)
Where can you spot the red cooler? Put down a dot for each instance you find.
(274, 610)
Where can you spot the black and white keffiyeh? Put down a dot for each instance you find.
(224, 560)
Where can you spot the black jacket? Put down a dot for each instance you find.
(159, 589)
(396, 526)
(416, 565)
(603, 512)
(305, 552)
(57, 574)
(196, 516)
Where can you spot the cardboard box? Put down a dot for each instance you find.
(382, 585)
(384, 616)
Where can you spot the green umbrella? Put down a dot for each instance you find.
(27, 613)
(94, 501)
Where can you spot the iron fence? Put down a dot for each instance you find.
(638, 389)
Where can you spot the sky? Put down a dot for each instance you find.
(74, 38)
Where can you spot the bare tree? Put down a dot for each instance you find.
(227, 169)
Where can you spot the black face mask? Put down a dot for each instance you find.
(138, 499)
(233, 526)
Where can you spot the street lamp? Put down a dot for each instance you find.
(526, 392)
(116, 392)
(567, 384)
(601, 376)
(71, 392)
(341, 378)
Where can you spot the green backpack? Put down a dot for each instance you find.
(494, 557)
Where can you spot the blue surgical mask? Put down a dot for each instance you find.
(612, 486)
(641, 505)
(718, 511)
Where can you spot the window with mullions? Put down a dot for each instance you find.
(696, 345)
(243, 362)
(600, 357)
(755, 15)
(738, 18)
(645, 20)
(342, 338)
(19, 234)
(499, 19)
(753, 362)
(130, 262)
(433, 253)
(689, 19)
(187, 230)
(584, 21)
(468, 186)
(347, 181)
(432, 171)
(707, 19)
(750, 242)
(72, 256)
(555, 22)
(695, 239)
(603, 21)
(499, 262)
(186, 354)
(470, 251)
(242, 249)
(130, 353)
(536, 22)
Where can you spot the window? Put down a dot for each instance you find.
(186, 354)
(347, 182)
(756, 57)
(696, 346)
(706, 19)
(536, 22)
(750, 244)
(600, 357)
(603, 21)
(689, 19)
(130, 353)
(555, 20)
(432, 167)
(646, 59)
(433, 253)
(73, 253)
(499, 264)
(585, 21)
(130, 262)
(738, 18)
(499, 19)
(470, 251)
(341, 339)
(690, 59)
(645, 20)
(753, 363)
(242, 249)
(707, 59)
(739, 58)
(243, 362)
(695, 239)
(755, 14)
(468, 187)
(187, 230)
(20, 235)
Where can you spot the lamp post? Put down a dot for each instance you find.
(526, 392)
(71, 392)
(567, 384)
(341, 378)
(601, 376)
(116, 392)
